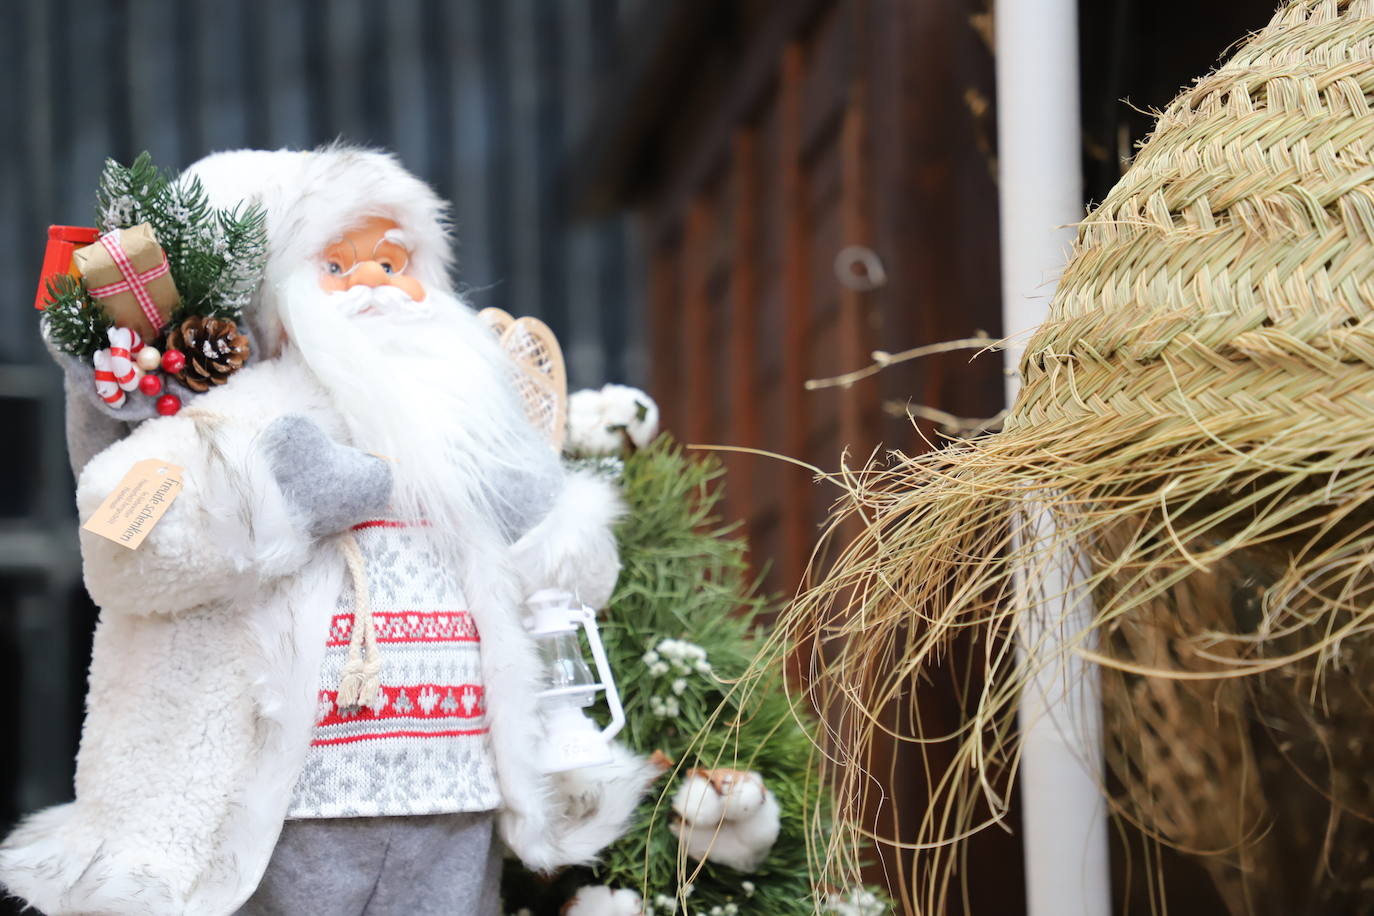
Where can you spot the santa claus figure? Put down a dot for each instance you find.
(311, 690)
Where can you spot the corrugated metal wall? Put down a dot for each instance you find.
(483, 98)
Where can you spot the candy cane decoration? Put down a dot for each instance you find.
(105, 384)
(124, 346)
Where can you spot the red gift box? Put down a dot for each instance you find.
(57, 259)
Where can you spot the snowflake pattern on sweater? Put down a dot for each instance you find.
(422, 747)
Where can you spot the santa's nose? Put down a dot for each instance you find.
(368, 273)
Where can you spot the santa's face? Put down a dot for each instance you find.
(374, 255)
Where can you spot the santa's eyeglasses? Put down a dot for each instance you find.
(341, 258)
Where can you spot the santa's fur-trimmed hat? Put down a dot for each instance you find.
(313, 197)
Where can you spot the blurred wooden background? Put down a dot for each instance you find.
(810, 134)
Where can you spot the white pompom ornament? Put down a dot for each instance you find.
(148, 359)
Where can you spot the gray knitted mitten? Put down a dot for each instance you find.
(331, 487)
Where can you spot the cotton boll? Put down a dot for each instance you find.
(749, 840)
(741, 845)
(698, 802)
(633, 410)
(584, 415)
(727, 816)
(589, 433)
(744, 795)
(600, 422)
(599, 900)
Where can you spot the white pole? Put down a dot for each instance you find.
(1064, 824)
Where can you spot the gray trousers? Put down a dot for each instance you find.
(437, 865)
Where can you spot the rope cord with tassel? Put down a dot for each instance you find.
(362, 673)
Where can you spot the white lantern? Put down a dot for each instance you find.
(573, 739)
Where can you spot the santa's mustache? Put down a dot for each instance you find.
(378, 300)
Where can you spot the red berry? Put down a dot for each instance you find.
(173, 361)
(150, 384)
(168, 404)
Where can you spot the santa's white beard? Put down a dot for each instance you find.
(426, 385)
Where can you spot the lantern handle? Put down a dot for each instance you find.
(587, 617)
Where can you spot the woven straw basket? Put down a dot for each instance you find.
(1197, 416)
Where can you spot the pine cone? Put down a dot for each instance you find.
(214, 350)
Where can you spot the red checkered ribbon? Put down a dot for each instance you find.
(133, 281)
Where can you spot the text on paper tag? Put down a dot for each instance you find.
(137, 503)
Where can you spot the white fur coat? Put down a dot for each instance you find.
(206, 663)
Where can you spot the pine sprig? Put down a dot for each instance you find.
(125, 196)
(244, 230)
(75, 323)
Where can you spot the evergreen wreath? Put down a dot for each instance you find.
(679, 632)
(215, 256)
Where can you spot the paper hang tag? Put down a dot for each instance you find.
(137, 504)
